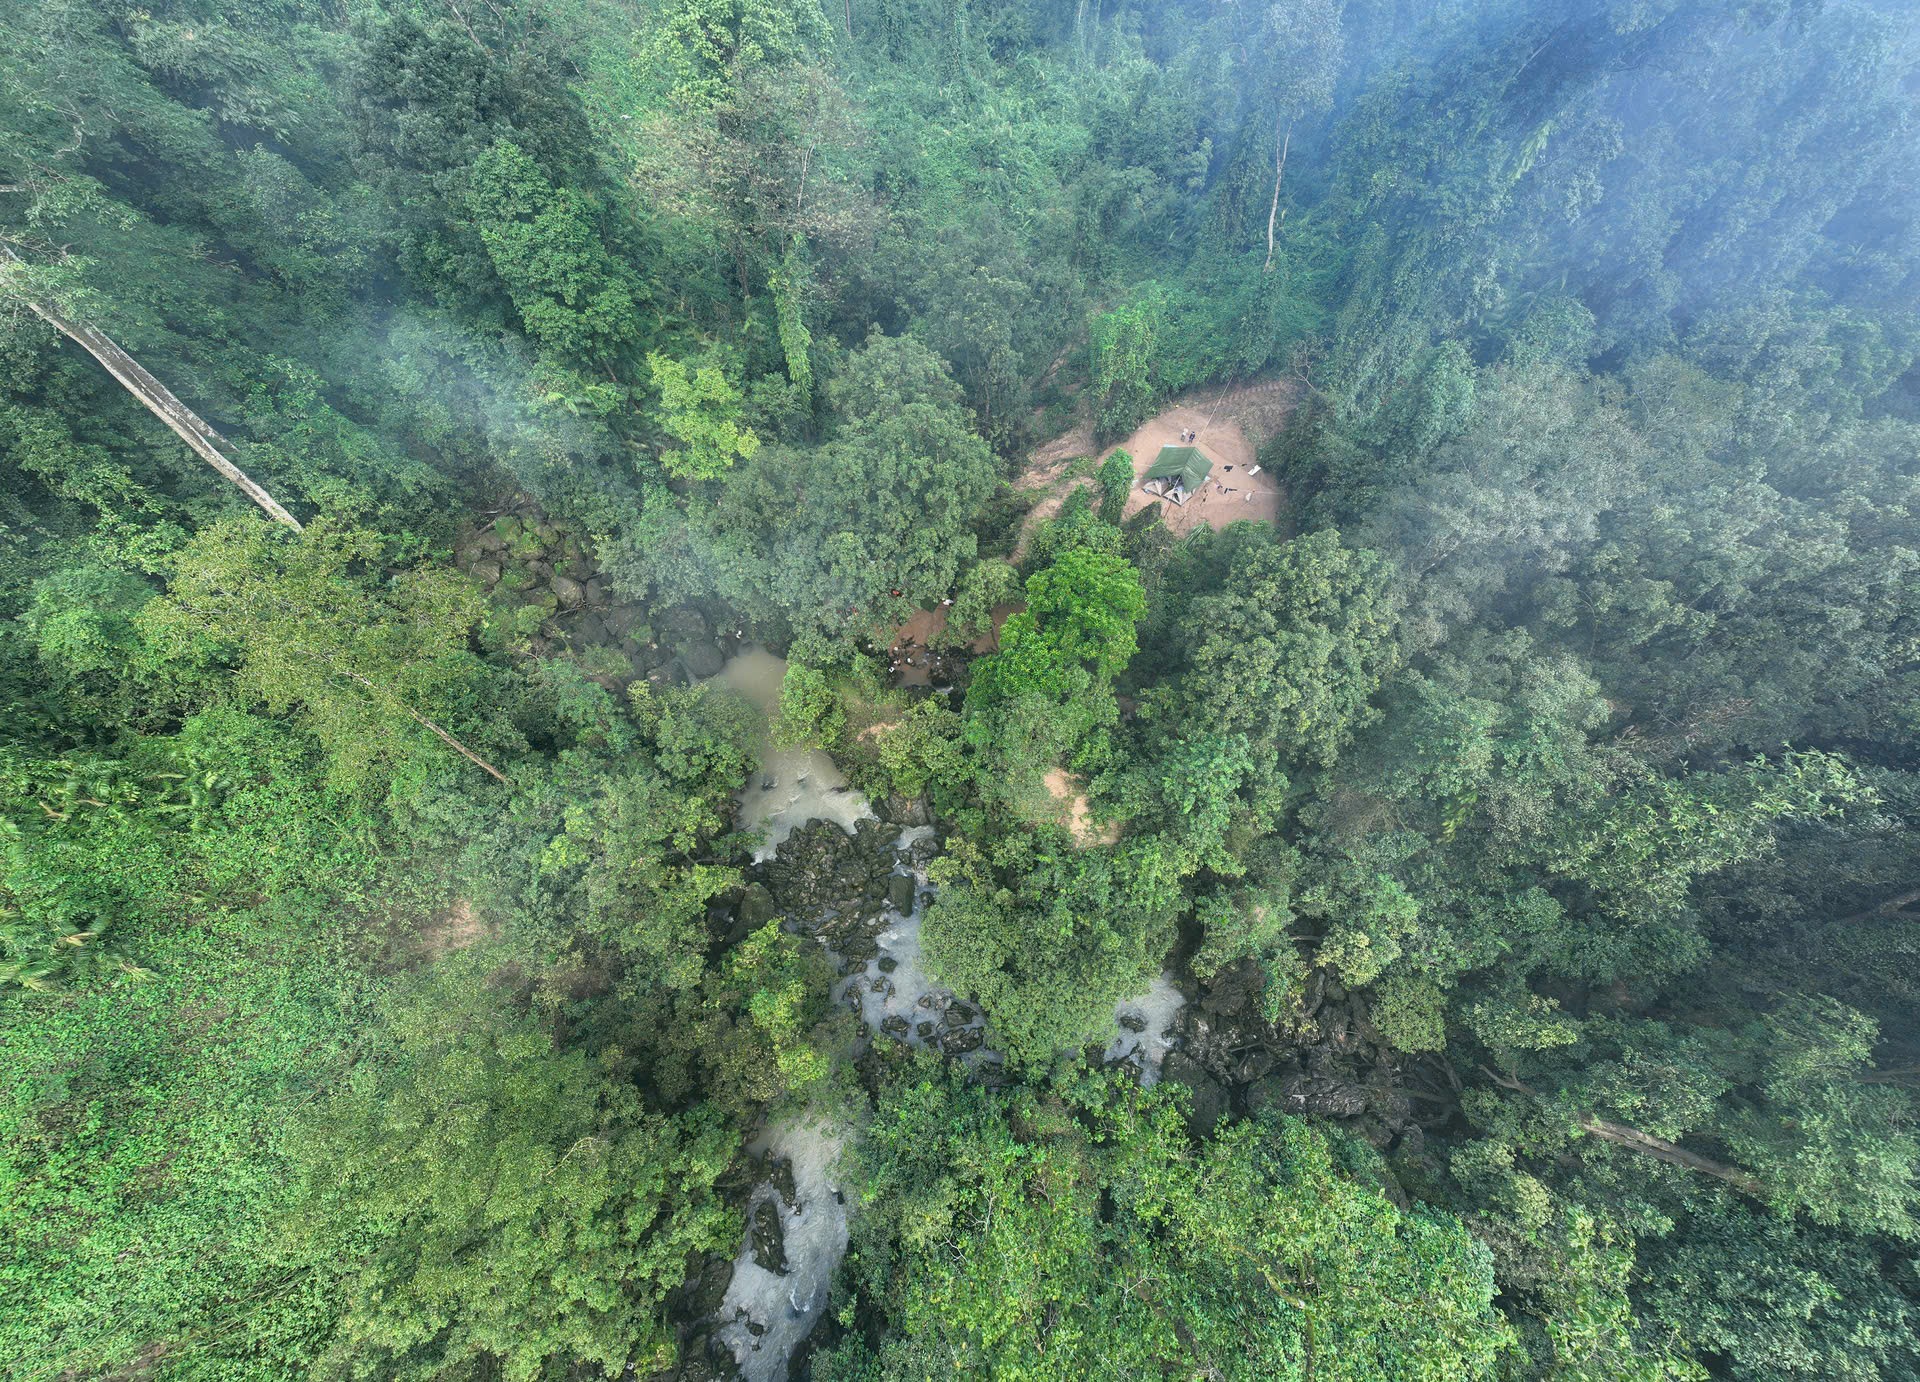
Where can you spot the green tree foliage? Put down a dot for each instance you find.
(316, 624)
(822, 537)
(1294, 648)
(488, 1197)
(700, 410)
(1542, 783)
(1092, 1237)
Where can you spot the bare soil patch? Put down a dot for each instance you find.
(913, 656)
(1071, 793)
(1231, 424)
(454, 929)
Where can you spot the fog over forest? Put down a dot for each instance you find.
(850, 690)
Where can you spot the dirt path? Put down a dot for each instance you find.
(1231, 425)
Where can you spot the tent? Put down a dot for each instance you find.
(1178, 472)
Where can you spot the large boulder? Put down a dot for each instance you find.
(703, 660)
(756, 905)
(1208, 1102)
(685, 624)
(768, 1238)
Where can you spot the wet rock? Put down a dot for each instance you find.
(961, 1039)
(704, 660)
(959, 1014)
(780, 1174)
(685, 624)
(883, 987)
(706, 1359)
(756, 905)
(1208, 1097)
(768, 1239)
(1318, 1096)
(900, 893)
(708, 1288)
(887, 964)
(907, 811)
(1133, 1021)
(1253, 1065)
(588, 629)
(926, 1030)
(896, 1025)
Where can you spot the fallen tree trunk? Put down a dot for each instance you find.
(1646, 1143)
(188, 425)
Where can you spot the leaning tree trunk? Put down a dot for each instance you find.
(1659, 1148)
(1273, 209)
(188, 425)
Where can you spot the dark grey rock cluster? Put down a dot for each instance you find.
(1329, 1062)
(546, 580)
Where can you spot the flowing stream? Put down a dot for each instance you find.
(767, 1314)
(793, 786)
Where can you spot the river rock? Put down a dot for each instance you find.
(906, 811)
(685, 624)
(756, 905)
(619, 619)
(896, 1025)
(1317, 1096)
(1209, 1097)
(956, 1040)
(708, 1289)
(768, 1239)
(780, 1175)
(703, 660)
(900, 893)
(1253, 1065)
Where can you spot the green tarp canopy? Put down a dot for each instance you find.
(1182, 464)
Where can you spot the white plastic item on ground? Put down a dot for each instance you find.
(789, 1305)
(1158, 1007)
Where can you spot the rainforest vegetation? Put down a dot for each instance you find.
(1510, 850)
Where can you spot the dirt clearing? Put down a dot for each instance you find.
(1230, 424)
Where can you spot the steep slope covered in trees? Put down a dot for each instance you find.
(1513, 845)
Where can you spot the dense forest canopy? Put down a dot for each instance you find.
(606, 771)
